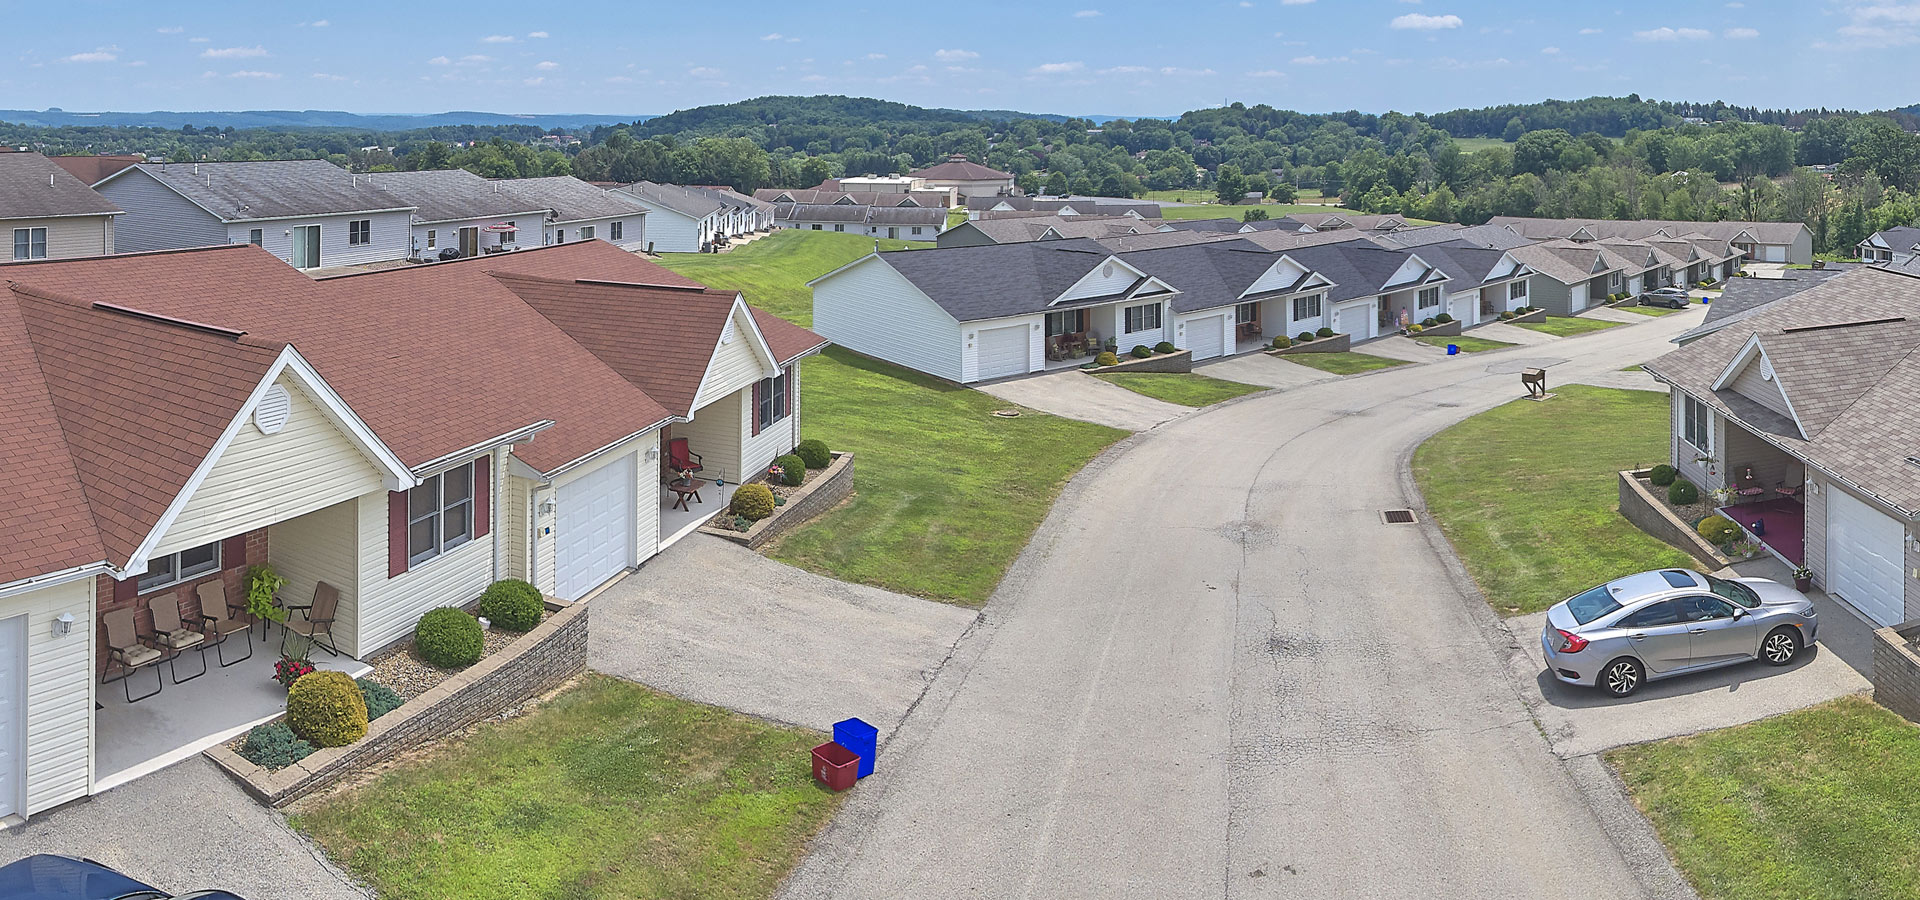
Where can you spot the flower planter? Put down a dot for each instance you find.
(1339, 343)
(1639, 506)
(1803, 585)
(823, 490)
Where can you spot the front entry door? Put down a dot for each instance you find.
(306, 247)
(469, 242)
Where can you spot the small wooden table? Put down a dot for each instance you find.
(684, 489)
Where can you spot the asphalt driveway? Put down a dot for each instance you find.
(713, 622)
(1074, 394)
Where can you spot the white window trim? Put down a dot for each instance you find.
(440, 546)
(1687, 404)
(1316, 300)
(1126, 320)
(179, 575)
(1420, 299)
(30, 242)
(364, 227)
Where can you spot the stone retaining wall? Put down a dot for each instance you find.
(1177, 361)
(823, 491)
(1538, 315)
(1639, 506)
(1339, 343)
(1896, 670)
(533, 664)
(1447, 329)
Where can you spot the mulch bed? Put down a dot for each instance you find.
(406, 674)
(724, 518)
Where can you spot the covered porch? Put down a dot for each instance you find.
(1765, 495)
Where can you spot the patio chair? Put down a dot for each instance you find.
(316, 618)
(219, 623)
(1747, 485)
(681, 458)
(1791, 483)
(174, 637)
(126, 649)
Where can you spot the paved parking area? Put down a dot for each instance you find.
(1076, 395)
(716, 623)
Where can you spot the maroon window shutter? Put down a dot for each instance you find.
(125, 589)
(482, 496)
(396, 533)
(759, 387)
(788, 384)
(233, 552)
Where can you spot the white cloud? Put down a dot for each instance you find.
(705, 72)
(264, 76)
(1419, 22)
(136, 64)
(1295, 2)
(323, 76)
(233, 52)
(499, 39)
(1267, 73)
(1550, 51)
(1057, 68)
(317, 23)
(198, 40)
(1318, 60)
(1666, 34)
(1087, 14)
(1245, 4)
(546, 65)
(535, 81)
(1736, 4)
(100, 55)
(876, 56)
(170, 29)
(1589, 31)
(773, 37)
(474, 59)
(536, 34)
(1176, 70)
(439, 61)
(955, 55)
(1125, 70)
(1740, 34)
(814, 79)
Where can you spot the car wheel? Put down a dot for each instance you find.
(1622, 677)
(1782, 646)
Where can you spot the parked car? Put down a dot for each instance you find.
(50, 877)
(1669, 297)
(1669, 622)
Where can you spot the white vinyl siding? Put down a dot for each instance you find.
(389, 607)
(264, 478)
(320, 546)
(392, 234)
(157, 218)
(735, 362)
(758, 451)
(1305, 313)
(633, 227)
(58, 715)
(1105, 280)
(646, 522)
(66, 238)
(670, 231)
(447, 234)
(1208, 335)
(871, 308)
(1752, 384)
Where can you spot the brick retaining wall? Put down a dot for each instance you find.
(1642, 508)
(1339, 343)
(1177, 361)
(1538, 315)
(1896, 670)
(533, 664)
(823, 491)
(1444, 329)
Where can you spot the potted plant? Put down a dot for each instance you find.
(263, 586)
(1802, 579)
(1744, 549)
(293, 662)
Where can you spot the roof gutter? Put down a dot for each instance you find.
(596, 454)
(344, 212)
(518, 436)
(50, 579)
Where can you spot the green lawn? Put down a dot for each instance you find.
(1343, 363)
(945, 494)
(1567, 326)
(1528, 493)
(1812, 804)
(1650, 310)
(608, 791)
(1633, 368)
(1466, 343)
(1183, 388)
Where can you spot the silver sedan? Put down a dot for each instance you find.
(1669, 622)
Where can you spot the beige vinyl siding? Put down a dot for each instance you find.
(1683, 452)
(516, 529)
(321, 546)
(1750, 384)
(1743, 450)
(715, 434)
(757, 451)
(544, 518)
(67, 237)
(646, 501)
(735, 363)
(263, 478)
(871, 308)
(58, 716)
(389, 607)
(1813, 519)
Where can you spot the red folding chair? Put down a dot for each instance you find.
(680, 458)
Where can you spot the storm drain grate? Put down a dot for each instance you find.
(1397, 516)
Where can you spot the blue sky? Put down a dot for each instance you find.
(1085, 56)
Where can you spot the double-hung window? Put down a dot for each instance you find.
(510, 235)
(916, 229)
(29, 243)
(616, 231)
(433, 239)
(257, 237)
(1429, 297)
(1072, 321)
(360, 231)
(1245, 313)
(770, 401)
(1695, 425)
(1145, 317)
(440, 514)
(586, 232)
(186, 565)
(1306, 308)
(1516, 290)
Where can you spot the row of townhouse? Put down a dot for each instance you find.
(407, 436)
(690, 219)
(1894, 245)
(907, 223)
(47, 213)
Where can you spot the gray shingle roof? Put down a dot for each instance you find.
(34, 187)
(570, 199)
(1901, 239)
(995, 280)
(691, 202)
(1465, 262)
(271, 189)
(1208, 275)
(447, 195)
(1641, 229)
(853, 214)
(1746, 297)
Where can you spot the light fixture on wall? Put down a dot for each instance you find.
(653, 453)
(546, 507)
(63, 625)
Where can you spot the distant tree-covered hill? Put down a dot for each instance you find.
(307, 118)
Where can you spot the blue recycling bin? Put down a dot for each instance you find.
(861, 738)
(1453, 349)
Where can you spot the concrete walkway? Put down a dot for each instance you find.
(1263, 370)
(1074, 394)
(716, 623)
(1400, 347)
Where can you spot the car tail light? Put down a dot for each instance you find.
(1570, 642)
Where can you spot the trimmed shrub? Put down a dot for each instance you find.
(274, 746)
(1717, 529)
(449, 638)
(1304, 337)
(814, 451)
(1141, 351)
(1429, 322)
(512, 604)
(1164, 347)
(752, 502)
(1505, 316)
(1662, 475)
(1323, 332)
(1106, 358)
(380, 698)
(1415, 328)
(793, 470)
(327, 709)
(1443, 318)
(1282, 343)
(1682, 493)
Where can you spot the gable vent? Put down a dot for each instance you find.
(726, 334)
(1766, 369)
(276, 407)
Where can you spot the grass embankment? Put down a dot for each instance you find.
(1568, 326)
(1348, 363)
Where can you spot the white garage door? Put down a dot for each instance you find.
(1206, 338)
(595, 529)
(1773, 253)
(1864, 558)
(1354, 320)
(1004, 351)
(13, 726)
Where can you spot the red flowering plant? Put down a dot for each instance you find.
(292, 665)
(776, 474)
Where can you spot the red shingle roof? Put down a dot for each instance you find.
(787, 340)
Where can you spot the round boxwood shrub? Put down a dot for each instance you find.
(1324, 332)
(1717, 529)
(1282, 343)
(274, 746)
(1415, 328)
(380, 698)
(1304, 337)
(1164, 347)
(752, 502)
(1443, 318)
(1106, 358)
(327, 709)
(793, 470)
(512, 604)
(814, 451)
(1662, 475)
(1429, 322)
(1141, 351)
(1505, 316)
(1683, 493)
(448, 638)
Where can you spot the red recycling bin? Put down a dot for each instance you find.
(835, 766)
